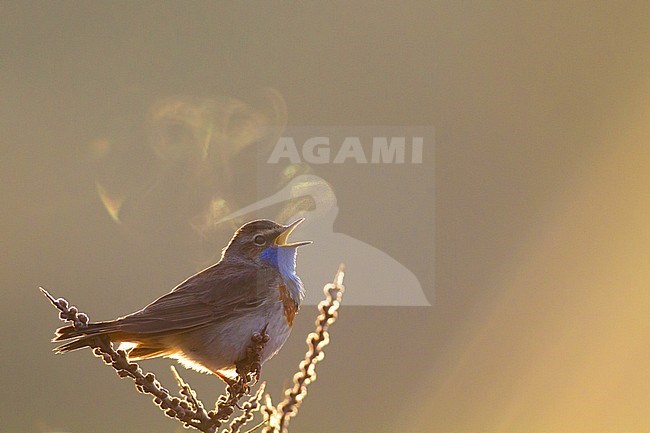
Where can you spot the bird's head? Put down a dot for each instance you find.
(266, 241)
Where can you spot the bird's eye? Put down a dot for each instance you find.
(259, 240)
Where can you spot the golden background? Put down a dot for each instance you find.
(531, 238)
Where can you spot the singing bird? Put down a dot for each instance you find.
(207, 321)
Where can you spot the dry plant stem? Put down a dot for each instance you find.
(277, 419)
(188, 409)
(249, 408)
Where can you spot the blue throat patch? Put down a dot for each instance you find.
(284, 260)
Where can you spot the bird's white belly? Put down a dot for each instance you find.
(220, 346)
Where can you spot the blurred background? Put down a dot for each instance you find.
(127, 129)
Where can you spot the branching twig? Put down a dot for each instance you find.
(252, 405)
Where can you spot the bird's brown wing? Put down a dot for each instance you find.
(211, 296)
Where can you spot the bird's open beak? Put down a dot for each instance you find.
(281, 240)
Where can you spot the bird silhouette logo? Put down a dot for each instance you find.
(378, 279)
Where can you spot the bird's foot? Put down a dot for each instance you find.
(250, 368)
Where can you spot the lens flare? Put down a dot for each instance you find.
(112, 203)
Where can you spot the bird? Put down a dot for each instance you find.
(206, 322)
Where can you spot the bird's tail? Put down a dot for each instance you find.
(83, 337)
